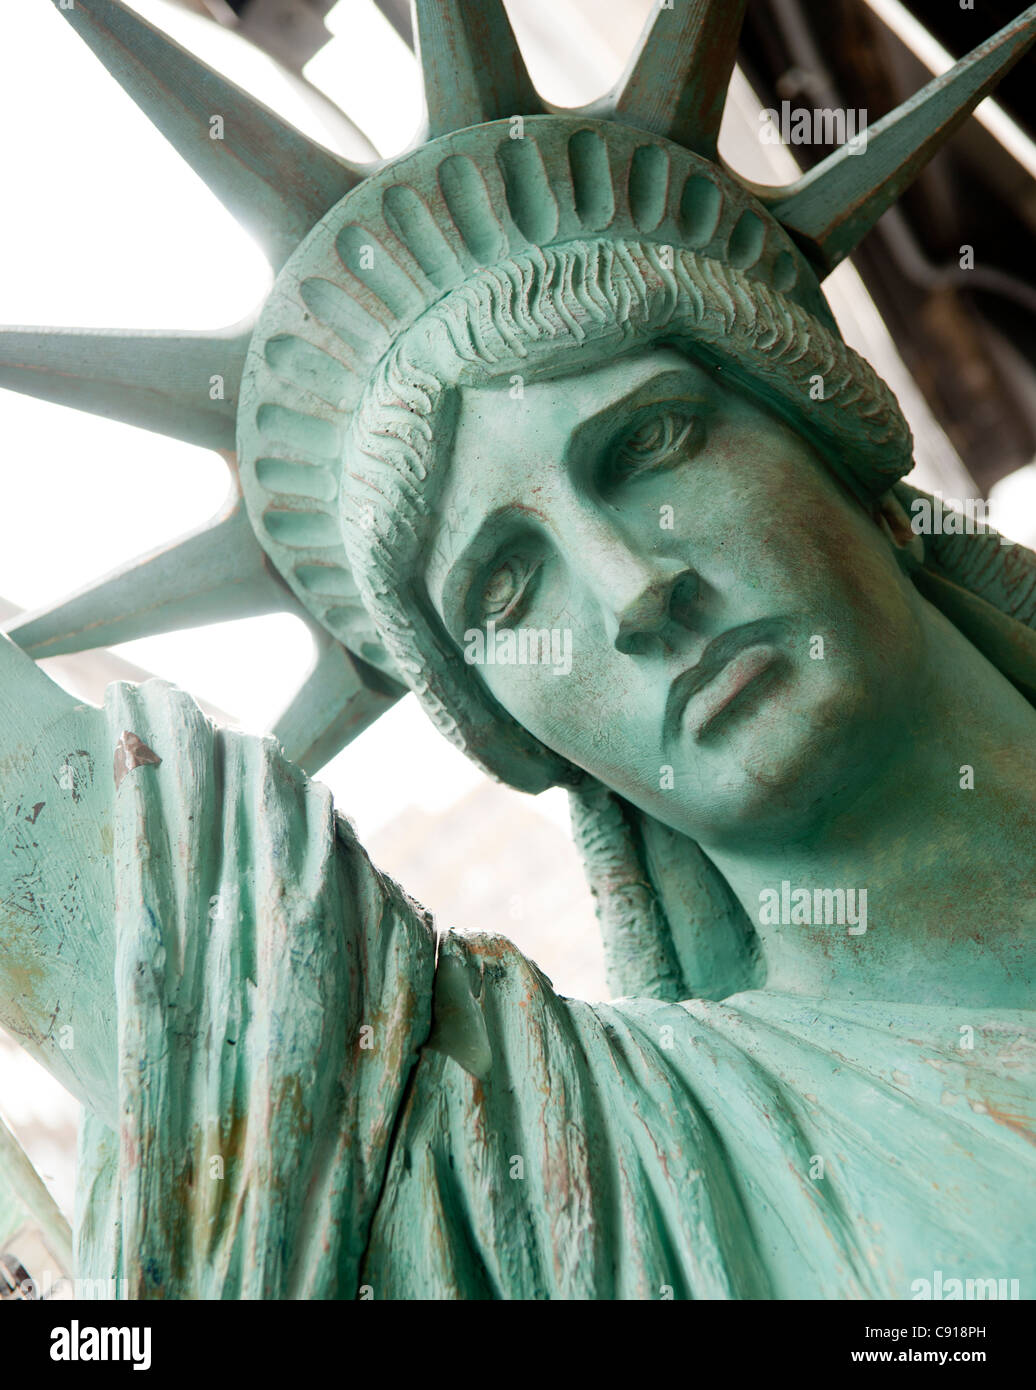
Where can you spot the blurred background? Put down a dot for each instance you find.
(105, 226)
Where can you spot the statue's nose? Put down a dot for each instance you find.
(641, 601)
(638, 590)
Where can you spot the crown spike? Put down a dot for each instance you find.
(831, 209)
(472, 65)
(212, 575)
(18, 1178)
(337, 701)
(676, 83)
(274, 180)
(158, 381)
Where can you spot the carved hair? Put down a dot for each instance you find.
(598, 298)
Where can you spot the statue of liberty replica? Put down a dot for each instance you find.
(552, 382)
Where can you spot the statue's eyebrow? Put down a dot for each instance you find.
(683, 384)
(668, 382)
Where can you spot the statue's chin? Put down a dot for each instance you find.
(795, 747)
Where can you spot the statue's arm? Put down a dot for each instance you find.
(56, 881)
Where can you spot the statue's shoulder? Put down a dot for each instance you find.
(31, 704)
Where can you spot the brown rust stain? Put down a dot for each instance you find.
(1016, 1121)
(131, 752)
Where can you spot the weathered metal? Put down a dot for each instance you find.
(561, 371)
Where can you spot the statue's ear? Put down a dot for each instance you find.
(906, 543)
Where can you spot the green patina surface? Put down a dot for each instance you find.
(562, 375)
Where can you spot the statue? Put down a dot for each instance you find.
(549, 422)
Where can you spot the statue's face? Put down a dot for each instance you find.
(742, 643)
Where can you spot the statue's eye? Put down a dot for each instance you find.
(505, 588)
(666, 439)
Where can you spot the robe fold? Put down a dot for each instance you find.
(320, 1098)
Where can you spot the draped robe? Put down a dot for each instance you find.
(318, 1096)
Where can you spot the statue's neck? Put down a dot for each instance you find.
(934, 858)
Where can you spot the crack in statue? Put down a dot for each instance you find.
(563, 374)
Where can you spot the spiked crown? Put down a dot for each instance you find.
(361, 253)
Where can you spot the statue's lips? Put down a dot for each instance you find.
(727, 667)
